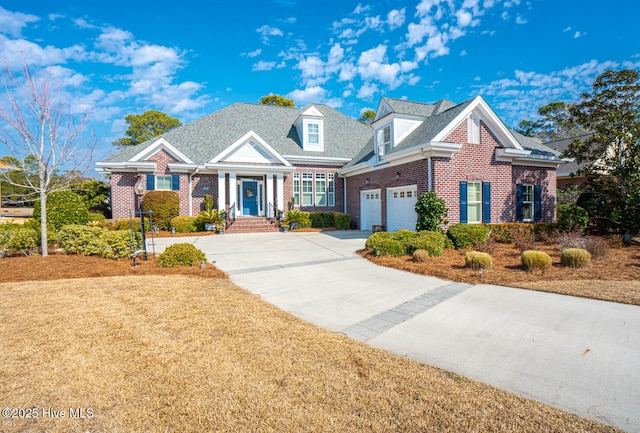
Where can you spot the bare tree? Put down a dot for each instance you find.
(43, 136)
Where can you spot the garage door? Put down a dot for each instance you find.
(370, 213)
(401, 204)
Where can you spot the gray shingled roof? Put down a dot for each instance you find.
(205, 138)
(537, 148)
(562, 146)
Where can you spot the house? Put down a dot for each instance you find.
(567, 171)
(256, 159)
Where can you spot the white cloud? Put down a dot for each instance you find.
(395, 18)
(520, 20)
(83, 24)
(11, 23)
(254, 53)
(367, 91)
(308, 95)
(568, 29)
(53, 17)
(16, 51)
(263, 66)
(267, 31)
(577, 35)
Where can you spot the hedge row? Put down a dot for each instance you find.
(405, 242)
(96, 241)
(339, 220)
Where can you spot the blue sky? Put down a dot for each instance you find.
(191, 58)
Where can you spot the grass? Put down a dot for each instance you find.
(186, 353)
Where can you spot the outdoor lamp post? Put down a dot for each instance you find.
(139, 188)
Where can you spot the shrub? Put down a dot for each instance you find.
(95, 216)
(545, 232)
(342, 220)
(19, 240)
(207, 203)
(571, 217)
(505, 233)
(432, 212)
(575, 258)
(535, 260)
(420, 256)
(165, 205)
(386, 244)
(488, 246)
(477, 260)
(524, 239)
(321, 219)
(467, 235)
(297, 216)
(570, 239)
(597, 247)
(432, 242)
(118, 244)
(184, 224)
(180, 255)
(63, 207)
(79, 239)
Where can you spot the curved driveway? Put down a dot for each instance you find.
(577, 354)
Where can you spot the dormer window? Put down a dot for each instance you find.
(313, 133)
(383, 138)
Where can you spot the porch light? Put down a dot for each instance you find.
(138, 188)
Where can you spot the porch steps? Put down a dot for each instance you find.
(253, 225)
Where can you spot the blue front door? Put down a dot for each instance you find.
(249, 198)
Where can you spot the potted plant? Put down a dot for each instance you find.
(296, 218)
(210, 219)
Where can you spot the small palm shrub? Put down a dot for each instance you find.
(535, 260)
(180, 255)
(420, 256)
(184, 224)
(432, 242)
(477, 260)
(467, 235)
(297, 216)
(575, 258)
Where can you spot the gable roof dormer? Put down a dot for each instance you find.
(310, 127)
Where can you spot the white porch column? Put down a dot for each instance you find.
(222, 191)
(232, 189)
(269, 187)
(280, 191)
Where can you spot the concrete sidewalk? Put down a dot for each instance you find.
(577, 354)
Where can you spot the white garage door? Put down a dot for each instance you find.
(401, 204)
(370, 213)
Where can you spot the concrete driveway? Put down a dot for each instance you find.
(577, 354)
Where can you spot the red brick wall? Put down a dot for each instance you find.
(203, 184)
(338, 188)
(546, 177)
(123, 199)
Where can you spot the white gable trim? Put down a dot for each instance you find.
(107, 167)
(250, 136)
(383, 110)
(480, 107)
(158, 145)
(313, 112)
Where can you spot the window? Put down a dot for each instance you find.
(474, 204)
(527, 202)
(163, 182)
(384, 140)
(307, 189)
(313, 131)
(296, 189)
(321, 189)
(331, 187)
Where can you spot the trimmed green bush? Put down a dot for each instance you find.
(386, 244)
(63, 207)
(505, 233)
(467, 235)
(19, 240)
(95, 217)
(575, 258)
(432, 242)
(165, 205)
(342, 220)
(180, 255)
(321, 219)
(535, 260)
(80, 239)
(477, 260)
(184, 224)
(571, 217)
(432, 212)
(117, 244)
(420, 256)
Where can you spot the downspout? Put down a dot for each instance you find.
(344, 186)
(429, 174)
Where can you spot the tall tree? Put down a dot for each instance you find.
(42, 135)
(612, 154)
(555, 123)
(276, 100)
(367, 117)
(145, 126)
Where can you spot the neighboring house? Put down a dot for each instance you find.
(257, 159)
(566, 174)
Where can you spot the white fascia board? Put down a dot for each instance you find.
(434, 148)
(127, 166)
(316, 159)
(537, 162)
(509, 155)
(488, 116)
(177, 167)
(251, 135)
(158, 145)
(356, 170)
(246, 168)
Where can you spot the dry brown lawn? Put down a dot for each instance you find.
(616, 277)
(186, 353)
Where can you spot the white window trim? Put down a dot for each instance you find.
(383, 147)
(470, 202)
(319, 180)
(164, 178)
(307, 178)
(296, 195)
(531, 202)
(331, 190)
